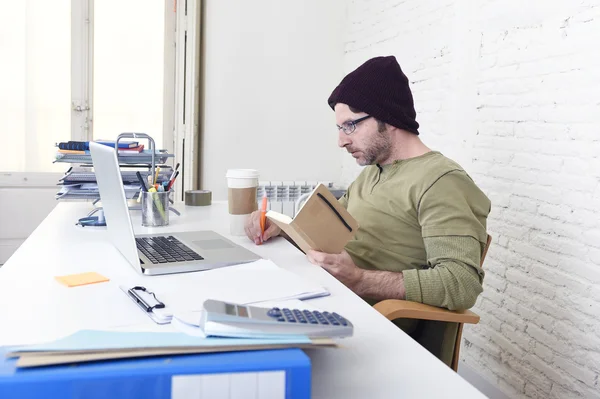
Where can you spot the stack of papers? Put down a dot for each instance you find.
(91, 345)
(144, 157)
(78, 175)
(90, 191)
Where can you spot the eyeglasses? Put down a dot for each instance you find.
(350, 126)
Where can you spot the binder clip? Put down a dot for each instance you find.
(92, 220)
(141, 302)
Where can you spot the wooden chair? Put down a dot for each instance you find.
(399, 309)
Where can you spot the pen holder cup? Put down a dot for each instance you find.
(155, 208)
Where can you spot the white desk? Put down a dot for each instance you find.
(379, 361)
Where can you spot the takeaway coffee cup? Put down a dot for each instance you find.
(242, 185)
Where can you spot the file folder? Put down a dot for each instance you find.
(272, 374)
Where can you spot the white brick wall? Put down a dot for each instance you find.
(511, 90)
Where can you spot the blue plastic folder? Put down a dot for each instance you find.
(162, 377)
(272, 374)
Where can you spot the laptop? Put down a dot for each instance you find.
(153, 254)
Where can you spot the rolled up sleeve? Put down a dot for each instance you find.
(453, 278)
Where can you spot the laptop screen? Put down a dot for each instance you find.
(114, 203)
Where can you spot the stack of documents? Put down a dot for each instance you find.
(144, 157)
(91, 345)
(90, 191)
(78, 175)
(80, 183)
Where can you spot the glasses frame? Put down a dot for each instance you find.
(350, 126)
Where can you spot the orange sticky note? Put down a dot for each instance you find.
(73, 280)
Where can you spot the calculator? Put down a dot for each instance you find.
(233, 320)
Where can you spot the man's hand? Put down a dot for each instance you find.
(341, 266)
(372, 284)
(252, 228)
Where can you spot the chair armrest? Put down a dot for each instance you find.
(398, 309)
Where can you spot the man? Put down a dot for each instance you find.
(422, 218)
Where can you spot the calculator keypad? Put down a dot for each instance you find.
(275, 312)
(299, 316)
(306, 317)
(343, 321)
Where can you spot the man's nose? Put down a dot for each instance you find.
(343, 139)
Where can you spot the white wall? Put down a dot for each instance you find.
(21, 211)
(269, 67)
(510, 90)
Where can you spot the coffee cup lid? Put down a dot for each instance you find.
(242, 173)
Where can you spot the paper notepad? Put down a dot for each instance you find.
(74, 280)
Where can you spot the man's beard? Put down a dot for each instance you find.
(378, 150)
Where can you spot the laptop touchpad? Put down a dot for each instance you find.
(212, 244)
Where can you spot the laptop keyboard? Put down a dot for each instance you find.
(165, 250)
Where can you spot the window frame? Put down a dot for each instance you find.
(186, 131)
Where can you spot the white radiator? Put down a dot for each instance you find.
(282, 195)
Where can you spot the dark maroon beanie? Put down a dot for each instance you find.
(379, 88)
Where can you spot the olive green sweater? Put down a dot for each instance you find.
(426, 218)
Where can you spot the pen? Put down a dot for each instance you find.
(174, 172)
(157, 202)
(156, 176)
(172, 181)
(263, 216)
(141, 179)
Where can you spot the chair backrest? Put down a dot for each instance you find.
(487, 246)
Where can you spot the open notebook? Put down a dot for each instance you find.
(322, 224)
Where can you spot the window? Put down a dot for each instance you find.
(80, 70)
(129, 66)
(35, 76)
